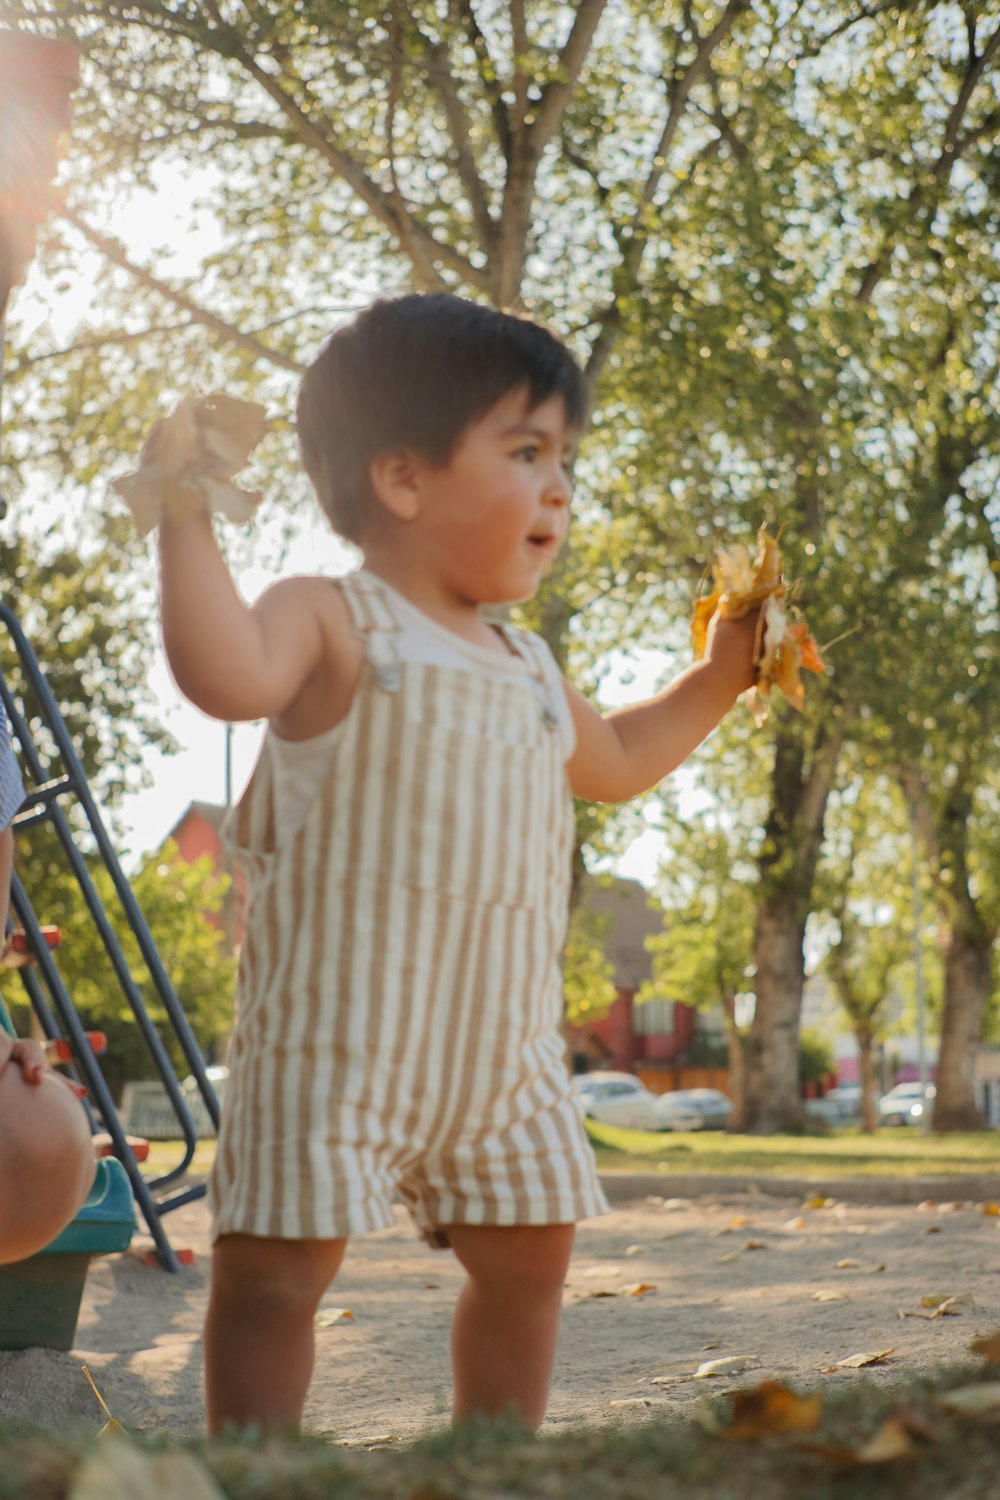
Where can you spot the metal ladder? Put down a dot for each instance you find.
(54, 782)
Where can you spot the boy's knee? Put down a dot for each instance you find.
(525, 1262)
(280, 1276)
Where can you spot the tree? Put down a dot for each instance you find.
(179, 902)
(870, 910)
(704, 956)
(798, 381)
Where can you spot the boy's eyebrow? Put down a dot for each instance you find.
(528, 429)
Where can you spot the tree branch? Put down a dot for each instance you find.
(439, 72)
(919, 200)
(114, 252)
(556, 94)
(344, 165)
(489, 74)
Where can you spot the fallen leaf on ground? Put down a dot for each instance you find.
(892, 1441)
(933, 1229)
(733, 1365)
(329, 1317)
(635, 1250)
(725, 1260)
(990, 1210)
(603, 1272)
(771, 1408)
(948, 1306)
(796, 1223)
(111, 1426)
(830, 1297)
(818, 1202)
(601, 1292)
(859, 1361)
(739, 1222)
(972, 1400)
(988, 1347)
(640, 1289)
(119, 1471)
(864, 1268)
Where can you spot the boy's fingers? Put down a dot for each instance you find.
(30, 1059)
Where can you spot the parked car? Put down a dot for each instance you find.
(615, 1099)
(905, 1104)
(692, 1109)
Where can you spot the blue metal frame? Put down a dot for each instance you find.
(55, 1010)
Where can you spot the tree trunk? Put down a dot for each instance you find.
(772, 1053)
(967, 987)
(736, 1043)
(800, 790)
(866, 1075)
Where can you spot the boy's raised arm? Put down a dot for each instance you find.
(232, 661)
(624, 753)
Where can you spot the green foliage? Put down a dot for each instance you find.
(588, 978)
(816, 1060)
(179, 901)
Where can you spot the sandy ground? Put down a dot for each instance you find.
(797, 1288)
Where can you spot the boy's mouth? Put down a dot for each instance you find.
(545, 541)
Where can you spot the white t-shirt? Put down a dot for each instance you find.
(299, 766)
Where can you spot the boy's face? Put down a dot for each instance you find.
(493, 518)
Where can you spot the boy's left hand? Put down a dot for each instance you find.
(731, 648)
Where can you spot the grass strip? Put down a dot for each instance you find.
(954, 1457)
(845, 1153)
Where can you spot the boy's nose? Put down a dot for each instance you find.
(560, 487)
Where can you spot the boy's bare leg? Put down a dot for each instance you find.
(259, 1333)
(503, 1338)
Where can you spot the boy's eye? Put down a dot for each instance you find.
(529, 454)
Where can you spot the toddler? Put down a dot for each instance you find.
(407, 838)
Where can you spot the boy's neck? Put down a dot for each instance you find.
(462, 617)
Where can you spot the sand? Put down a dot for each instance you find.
(741, 1275)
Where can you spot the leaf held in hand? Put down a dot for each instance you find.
(783, 646)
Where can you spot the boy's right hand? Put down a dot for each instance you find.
(732, 648)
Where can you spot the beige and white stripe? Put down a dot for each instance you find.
(400, 989)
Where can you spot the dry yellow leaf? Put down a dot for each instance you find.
(864, 1268)
(112, 1427)
(990, 1210)
(740, 585)
(972, 1400)
(858, 1361)
(830, 1297)
(329, 1317)
(771, 1408)
(640, 1289)
(890, 1442)
(733, 1365)
(796, 1223)
(988, 1347)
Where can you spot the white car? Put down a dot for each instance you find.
(692, 1109)
(906, 1103)
(615, 1099)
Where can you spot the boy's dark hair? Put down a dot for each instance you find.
(414, 372)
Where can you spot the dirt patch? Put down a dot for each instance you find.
(793, 1288)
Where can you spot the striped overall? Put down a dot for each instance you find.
(400, 991)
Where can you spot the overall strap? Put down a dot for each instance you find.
(374, 623)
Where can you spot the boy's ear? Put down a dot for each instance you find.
(395, 480)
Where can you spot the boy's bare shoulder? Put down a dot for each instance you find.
(319, 604)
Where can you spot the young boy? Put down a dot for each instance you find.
(407, 836)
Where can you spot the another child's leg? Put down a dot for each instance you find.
(259, 1331)
(503, 1339)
